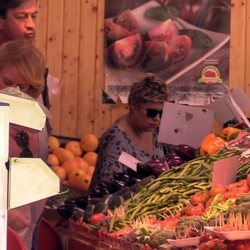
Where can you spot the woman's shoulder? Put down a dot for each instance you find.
(113, 131)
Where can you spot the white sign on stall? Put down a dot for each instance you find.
(181, 124)
(23, 173)
(4, 152)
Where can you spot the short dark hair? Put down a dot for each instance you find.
(150, 89)
(5, 5)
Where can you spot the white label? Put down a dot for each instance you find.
(128, 160)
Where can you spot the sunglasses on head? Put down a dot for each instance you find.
(152, 113)
(22, 140)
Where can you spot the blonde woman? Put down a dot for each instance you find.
(22, 66)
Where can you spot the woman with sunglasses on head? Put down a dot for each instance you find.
(134, 133)
(22, 66)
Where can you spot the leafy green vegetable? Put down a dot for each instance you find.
(162, 13)
(199, 38)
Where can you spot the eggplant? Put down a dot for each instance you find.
(133, 181)
(107, 198)
(115, 202)
(101, 207)
(123, 177)
(186, 152)
(128, 194)
(175, 161)
(88, 212)
(77, 214)
(158, 170)
(96, 192)
(82, 202)
(170, 155)
(66, 211)
(144, 169)
(131, 173)
(147, 179)
(117, 185)
(70, 201)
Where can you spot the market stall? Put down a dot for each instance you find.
(186, 206)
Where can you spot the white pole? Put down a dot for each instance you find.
(4, 152)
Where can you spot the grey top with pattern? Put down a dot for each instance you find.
(113, 142)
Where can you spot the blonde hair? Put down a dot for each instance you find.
(28, 60)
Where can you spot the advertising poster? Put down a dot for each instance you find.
(185, 42)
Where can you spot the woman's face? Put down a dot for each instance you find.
(11, 77)
(148, 116)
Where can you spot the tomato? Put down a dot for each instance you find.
(239, 187)
(200, 197)
(180, 46)
(248, 180)
(241, 245)
(188, 10)
(96, 218)
(213, 244)
(194, 210)
(217, 189)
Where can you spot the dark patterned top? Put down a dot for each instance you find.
(113, 142)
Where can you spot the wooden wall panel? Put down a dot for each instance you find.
(102, 112)
(70, 68)
(247, 54)
(42, 23)
(87, 70)
(238, 44)
(54, 55)
(70, 34)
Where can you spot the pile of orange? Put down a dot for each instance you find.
(75, 162)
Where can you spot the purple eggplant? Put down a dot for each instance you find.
(170, 156)
(117, 185)
(66, 210)
(175, 161)
(144, 170)
(158, 170)
(156, 167)
(186, 152)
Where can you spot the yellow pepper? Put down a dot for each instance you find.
(211, 144)
(229, 132)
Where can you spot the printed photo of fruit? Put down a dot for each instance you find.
(166, 38)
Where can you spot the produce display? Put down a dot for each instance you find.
(178, 208)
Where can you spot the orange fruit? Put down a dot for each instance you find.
(63, 154)
(53, 160)
(89, 142)
(60, 172)
(74, 147)
(90, 158)
(91, 171)
(53, 142)
(82, 163)
(69, 166)
(79, 179)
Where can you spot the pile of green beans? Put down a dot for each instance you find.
(171, 191)
(243, 170)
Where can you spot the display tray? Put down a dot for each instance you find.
(229, 235)
(187, 242)
(114, 242)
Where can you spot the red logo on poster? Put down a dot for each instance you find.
(210, 75)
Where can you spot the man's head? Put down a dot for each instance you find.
(17, 20)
